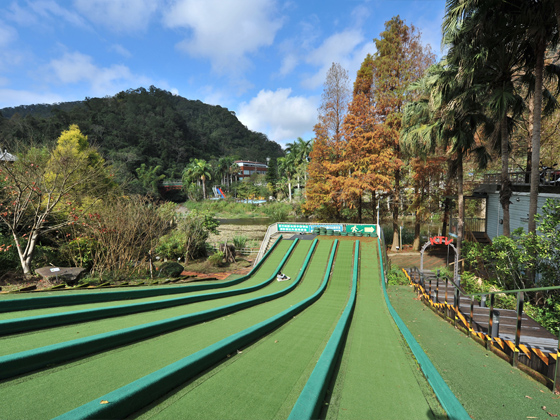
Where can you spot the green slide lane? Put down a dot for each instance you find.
(65, 299)
(65, 387)
(264, 381)
(260, 274)
(310, 402)
(51, 320)
(27, 361)
(486, 385)
(377, 376)
(32, 340)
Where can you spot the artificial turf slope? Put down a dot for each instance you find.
(377, 377)
(487, 386)
(57, 390)
(260, 275)
(264, 381)
(34, 339)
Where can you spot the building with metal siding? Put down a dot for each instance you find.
(518, 211)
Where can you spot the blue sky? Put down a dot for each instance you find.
(264, 59)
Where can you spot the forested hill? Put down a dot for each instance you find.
(150, 126)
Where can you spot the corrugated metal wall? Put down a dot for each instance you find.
(518, 211)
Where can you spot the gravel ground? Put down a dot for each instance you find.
(228, 232)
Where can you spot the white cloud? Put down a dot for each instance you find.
(20, 15)
(119, 49)
(43, 13)
(289, 63)
(119, 15)
(224, 31)
(431, 31)
(348, 48)
(49, 9)
(7, 34)
(281, 116)
(77, 68)
(10, 56)
(13, 97)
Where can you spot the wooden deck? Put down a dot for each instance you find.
(532, 333)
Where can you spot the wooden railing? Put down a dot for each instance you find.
(546, 178)
(472, 224)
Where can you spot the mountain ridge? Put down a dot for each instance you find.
(140, 126)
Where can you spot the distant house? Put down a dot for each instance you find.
(7, 157)
(248, 168)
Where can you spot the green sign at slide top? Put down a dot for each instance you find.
(296, 227)
(361, 228)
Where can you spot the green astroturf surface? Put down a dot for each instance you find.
(487, 386)
(264, 381)
(376, 376)
(261, 274)
(52, 392)
(26, 341)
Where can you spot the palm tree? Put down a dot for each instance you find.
(491, 66)
(233, 171)
(531, 26)
(224, 165)
(446, 115)
(299, 151)
(198, 169)
(286, 165)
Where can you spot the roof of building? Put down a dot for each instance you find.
(5, 156)
(251, 163)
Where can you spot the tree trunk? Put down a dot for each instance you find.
(396, 199)
(536, 139)
(360, 209)
(447, 200)
(26, 255)
(460, 204)
(374, 205)
(203, 189)
(416, 242)
(445, 221)
(529, 145)
(290, 190)
(505, 190)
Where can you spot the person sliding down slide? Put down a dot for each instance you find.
(282, 277)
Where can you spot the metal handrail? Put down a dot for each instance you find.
(519, 310)
(271, 230)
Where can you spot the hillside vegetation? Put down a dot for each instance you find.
(141, 126)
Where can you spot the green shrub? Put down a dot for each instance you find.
(170, 269)
(396, 277)
(547, 314)
(277, 212)
(239, 241)
(9, 260)
(79, 252)
(171, 246)
(216, 259)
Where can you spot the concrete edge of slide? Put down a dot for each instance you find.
(446, 397)
(309, 402)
